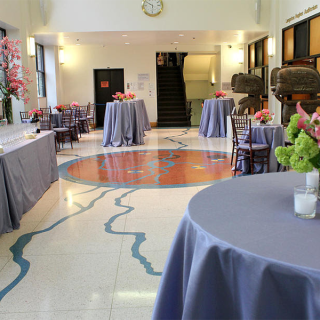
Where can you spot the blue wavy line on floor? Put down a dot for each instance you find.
(184, 132)
(20, 244)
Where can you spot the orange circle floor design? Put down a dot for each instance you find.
(149, 169)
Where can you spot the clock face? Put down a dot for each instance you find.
(152, 7)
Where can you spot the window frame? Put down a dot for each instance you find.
(40, 71)
(3, 33)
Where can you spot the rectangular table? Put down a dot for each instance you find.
(26, 172)
(123, 124)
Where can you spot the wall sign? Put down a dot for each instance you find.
(104, 84)
(300, 14)
(143, 77)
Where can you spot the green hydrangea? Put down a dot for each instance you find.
(300, 165)
(305, 146)
(292, 129)
(284, 154)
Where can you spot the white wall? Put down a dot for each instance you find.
(229, 66)
(121, 15)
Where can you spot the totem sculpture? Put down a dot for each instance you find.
(250, 84)
(291, 80)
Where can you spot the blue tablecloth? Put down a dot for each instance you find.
(213, 121)
(123, 124)
(145, 119)
(26, 172)
(240, 253)
(265, 134)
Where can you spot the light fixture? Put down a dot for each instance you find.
(176, 42)
(32, 47)
(212, 84)
(127, 43)
(181, 35)
(124, 35)
(270, 47)
(61, 55)
(240, 56)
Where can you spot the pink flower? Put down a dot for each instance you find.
(301, 123)
(266, 111)
(258, 115)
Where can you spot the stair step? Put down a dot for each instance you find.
(170, 104)
(172, 112)
(174, 124)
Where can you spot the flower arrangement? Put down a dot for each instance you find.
(218, 94)
(264, 116)
(124, 96)
(60, 107)
(130, 95)
(304, 132)
(17, 76)
(34, 113)
(74, 104)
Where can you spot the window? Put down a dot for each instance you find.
(40, 71)
(2, 72)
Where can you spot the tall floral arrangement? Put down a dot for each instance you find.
(17, 76)
(304, 133)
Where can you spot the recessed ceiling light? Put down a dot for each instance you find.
(176, 42)
(181, 35)
(193, 38)
(66, 37)
(127, 43)
(225, 42)
(124, 35)
(78, 44)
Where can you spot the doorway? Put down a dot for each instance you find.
(106, 83)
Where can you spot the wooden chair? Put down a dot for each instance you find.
(83, 120)
(91, 110)
(45, 121)
(74, 124)
(46, 110)
(64, 134)
(245, 148)
(235, 116)
(24, 115)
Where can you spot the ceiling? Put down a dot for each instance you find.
(106, 38)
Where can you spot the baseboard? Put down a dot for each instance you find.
(153, 124)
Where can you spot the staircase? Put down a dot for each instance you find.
(171, 98)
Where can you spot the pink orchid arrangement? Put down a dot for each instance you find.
(34, 112)
(304, 133)
(310, 124)
(17, 76)
(264, 116)
(218, 94)
(74, 104)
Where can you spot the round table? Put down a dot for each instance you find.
(213, 121)
(240, 253)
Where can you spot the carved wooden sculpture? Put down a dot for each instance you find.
(295, 80)
(250, 84)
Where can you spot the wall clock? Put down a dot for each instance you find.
(152, 7)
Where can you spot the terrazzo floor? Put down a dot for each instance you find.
(99, 237)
